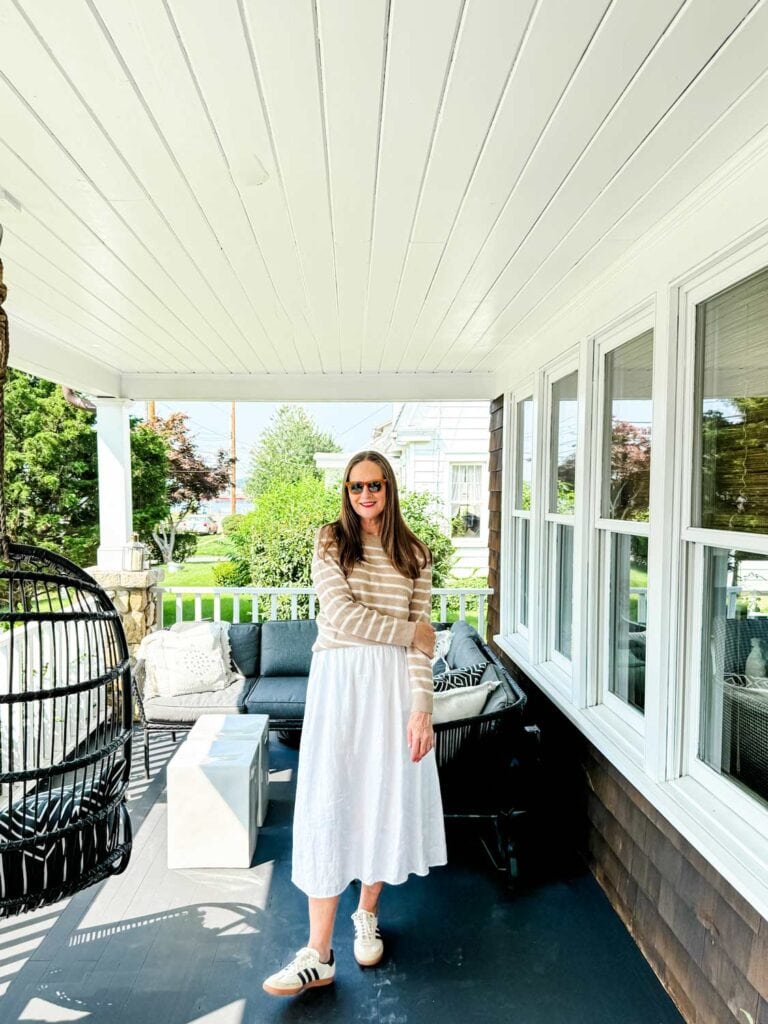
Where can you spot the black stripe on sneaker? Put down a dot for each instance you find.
(302, 979)
(317, 976)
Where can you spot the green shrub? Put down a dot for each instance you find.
(231, 574)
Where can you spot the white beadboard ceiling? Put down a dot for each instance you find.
(342, 198)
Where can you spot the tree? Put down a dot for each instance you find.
(421, 512)
(734, 473)
(630, 471)
(275, 541)
(191, 480)
(273, 544)
(52, 475)
(285, 451)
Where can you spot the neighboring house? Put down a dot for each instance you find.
(441, 448)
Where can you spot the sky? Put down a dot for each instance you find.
(350, 423)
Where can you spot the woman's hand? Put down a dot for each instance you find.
(424, 638)
(421, 738)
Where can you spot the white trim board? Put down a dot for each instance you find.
(299, 387)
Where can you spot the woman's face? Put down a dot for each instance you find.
(367, 504)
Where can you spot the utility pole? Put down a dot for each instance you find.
(151, 415)
(233, 464)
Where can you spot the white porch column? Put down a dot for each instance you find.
(115, 495)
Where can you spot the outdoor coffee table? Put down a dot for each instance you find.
(214, 786)
(245, 728)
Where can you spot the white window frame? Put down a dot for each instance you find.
(709, 281)
(517, 634)
(560, 667)
(625, 721)
(460, 459)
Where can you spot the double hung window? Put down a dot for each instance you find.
(466, 498)
(559, 516)
(729, 531)
(624, 463)
(522, 503)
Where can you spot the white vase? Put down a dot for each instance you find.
(755, 666)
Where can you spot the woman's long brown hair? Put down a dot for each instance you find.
(405, 551)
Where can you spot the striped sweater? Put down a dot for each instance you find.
(374, 605)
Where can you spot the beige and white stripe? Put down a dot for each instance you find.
(374, 605)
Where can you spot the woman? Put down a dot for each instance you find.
(367, 795)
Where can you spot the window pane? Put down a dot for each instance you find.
(466, 489)
(523, 532)
(628, 608)
(733, 734)
(732, 365)
(564, 596)
(627, 459)
(562, 496)
(523, 475)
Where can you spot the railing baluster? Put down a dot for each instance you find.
(439, 594)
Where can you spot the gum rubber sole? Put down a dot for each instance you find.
(295, 991)
(370, 963)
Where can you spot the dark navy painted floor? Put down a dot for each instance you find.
(162, 947)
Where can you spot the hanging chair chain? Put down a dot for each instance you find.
(4, 550)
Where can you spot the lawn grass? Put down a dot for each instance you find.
(215, 544)
(191, 574)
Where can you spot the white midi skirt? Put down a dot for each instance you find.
(363, 808)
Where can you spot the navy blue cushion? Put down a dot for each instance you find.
(286, 647)
(278, 696)
(244, 644)
(464, 651)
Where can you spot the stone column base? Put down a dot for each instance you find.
(135, 596)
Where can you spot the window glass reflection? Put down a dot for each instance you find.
(733, 730)
(732, 370)
(563, 457)
(628, 408)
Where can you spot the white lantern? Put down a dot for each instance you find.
(135, 555)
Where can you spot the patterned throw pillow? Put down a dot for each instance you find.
(443, 639)
(457, 678)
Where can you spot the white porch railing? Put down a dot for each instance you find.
(642, 603)
(255, 604)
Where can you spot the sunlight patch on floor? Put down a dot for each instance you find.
(40, 1010)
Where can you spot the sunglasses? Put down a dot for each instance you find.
(357, 486)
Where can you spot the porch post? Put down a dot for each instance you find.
(115, 496)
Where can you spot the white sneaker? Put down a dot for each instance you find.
(369, 948)
(306, 970)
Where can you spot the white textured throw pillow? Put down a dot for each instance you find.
(219, 629)
(466, 702)
(192, 660)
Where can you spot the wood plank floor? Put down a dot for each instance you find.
(154, 946)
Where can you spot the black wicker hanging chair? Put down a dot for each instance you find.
(65, 721)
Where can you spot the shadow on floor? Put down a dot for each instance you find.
(177, 947)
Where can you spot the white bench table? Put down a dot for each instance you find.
(217, 792)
